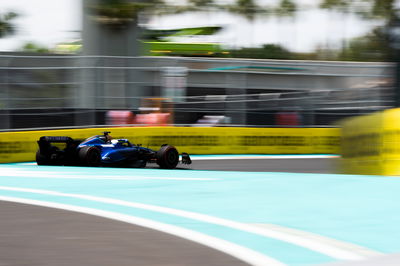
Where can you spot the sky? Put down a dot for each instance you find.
(45, 22)
(48, 22)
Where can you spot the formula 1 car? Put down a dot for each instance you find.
(102, 150)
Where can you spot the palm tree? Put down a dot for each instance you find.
(286, 8)
(245, 8)
(339, 5)
(118, 13)
(379, 10)
(367, 9)
(6, 26)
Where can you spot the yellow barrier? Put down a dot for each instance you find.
(370, 144)
(22, 146)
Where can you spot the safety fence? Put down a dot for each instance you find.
(22, 146)
(68, 91)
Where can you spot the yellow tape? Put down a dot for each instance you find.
(371, 144)
(22, 146)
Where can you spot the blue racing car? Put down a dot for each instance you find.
(102, 150)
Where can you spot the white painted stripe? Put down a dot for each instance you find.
(17, 172)
(321, 239)
(337, 251)
(244, 157)
(242, 253)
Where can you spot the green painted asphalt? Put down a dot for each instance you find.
(361, 210)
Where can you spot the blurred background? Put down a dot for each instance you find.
(282, 63)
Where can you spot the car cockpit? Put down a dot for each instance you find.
(121, 143)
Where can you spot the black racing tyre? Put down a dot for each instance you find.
(42, 159)
(90, 156)
(167, 157)
(51, 157)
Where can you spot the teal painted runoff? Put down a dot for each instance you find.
(362, 210)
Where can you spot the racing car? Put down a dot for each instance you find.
(102, 150)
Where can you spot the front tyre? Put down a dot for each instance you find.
(167, 157)
(90, 156)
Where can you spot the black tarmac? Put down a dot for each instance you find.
(314, 165)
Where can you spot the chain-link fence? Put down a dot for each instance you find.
(77, 91)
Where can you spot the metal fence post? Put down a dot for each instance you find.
(236, 111)
(5, 121)
(85, 115)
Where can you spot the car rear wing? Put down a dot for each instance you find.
(45, 142)
(49, 139)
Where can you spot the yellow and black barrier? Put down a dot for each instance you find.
(22, 146)
(371, 144)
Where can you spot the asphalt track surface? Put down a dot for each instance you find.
(310, 165)
(37, 236)
(34, 235)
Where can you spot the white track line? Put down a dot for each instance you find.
(321, 239)
(17, 172)
(244, 157)
(247, 255)
(333, 248)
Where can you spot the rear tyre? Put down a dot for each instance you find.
(51, 157)
(167, 157)
(42, 159)
(90, 156)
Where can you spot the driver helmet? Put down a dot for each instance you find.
(107, 137)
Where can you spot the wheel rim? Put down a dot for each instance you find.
(172, 157)
(93, 157)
